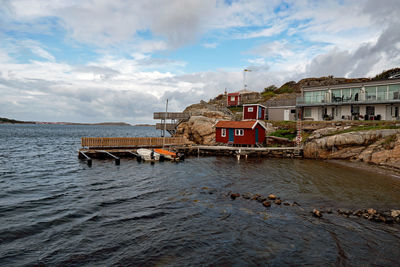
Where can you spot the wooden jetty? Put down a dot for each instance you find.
(117, 147)
(174, 117)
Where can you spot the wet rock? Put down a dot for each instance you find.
(278, 201)
(317, 213)
(389, 220)
(261, 199)
(255, 196)
(235, 195)
(266, 204)
(344, 212)
(371, 211)
(295, 204)
(395, 213)
(358, 213)
(329, 210)
(272, 197)
(286, 203)
(246, 196)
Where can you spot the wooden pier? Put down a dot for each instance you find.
(117, 147)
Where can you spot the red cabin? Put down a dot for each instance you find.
(240, 132)
(254, 112)
(234, 99)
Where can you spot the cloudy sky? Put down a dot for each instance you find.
(119, 60)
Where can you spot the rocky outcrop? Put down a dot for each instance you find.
(200, 128)
(380, 147)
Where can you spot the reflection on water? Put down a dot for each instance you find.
(57, 211)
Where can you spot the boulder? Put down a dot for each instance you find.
(266, 204)
(235, 195)
(272, 197)
(395, 213)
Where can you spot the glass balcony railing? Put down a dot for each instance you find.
(361, 98)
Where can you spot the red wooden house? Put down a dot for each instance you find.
(234, 99)
(240, 132)
(254, 112)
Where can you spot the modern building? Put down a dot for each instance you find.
(375, 100)
(254, 112)
(282, 109)
(240, 132)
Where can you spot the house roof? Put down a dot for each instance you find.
(254, 105)
(238, 124)
(233, 94)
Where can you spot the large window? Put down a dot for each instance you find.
(355, 94)
(394, 91)
(307, 112)
(337, 95)
(232, 98)
(239, 132)
(382, 92)
(370, 93)
(223, 132)
(346, 95)
(308, 97)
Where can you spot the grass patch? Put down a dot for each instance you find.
(236, 109)
(285, 133)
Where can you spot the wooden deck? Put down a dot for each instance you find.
(130, 142)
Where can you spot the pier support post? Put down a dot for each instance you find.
(117, 160)
(88, 159)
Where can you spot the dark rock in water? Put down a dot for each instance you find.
(295, 204)
(246, 196)
(317, 213)
(286, 203)
(266, 204)
(329, 210)
(272, 197)
(261, 199)
(344, 212)
(235, 195)
(358, 213)
(255, 196)
(389, 220)
(278, 202)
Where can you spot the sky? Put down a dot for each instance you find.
(119, 60)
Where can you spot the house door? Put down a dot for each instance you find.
(259, 112)
(231, 132)
(256, 135)
(286, 114)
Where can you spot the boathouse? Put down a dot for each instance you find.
(234, 99)
(240, 132)
(254, 112)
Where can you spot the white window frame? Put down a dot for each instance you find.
(239, 132)
(305, 115)
(223, 132)
(250, 109)
(233, 98)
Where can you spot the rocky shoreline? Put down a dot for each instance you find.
(377, 143)
(384, 216)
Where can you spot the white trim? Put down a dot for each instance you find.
(254, 105)
(238, 131)
(257, 122)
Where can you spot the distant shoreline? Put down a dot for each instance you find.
(10, 121)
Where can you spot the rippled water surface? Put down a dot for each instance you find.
(55, 210)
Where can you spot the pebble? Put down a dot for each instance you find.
(266, 204)
(278, 202)
(317, 213)
(272, 197)
(235, 195)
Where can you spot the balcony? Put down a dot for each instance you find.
(362, 98)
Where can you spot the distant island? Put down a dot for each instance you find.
(11, 121)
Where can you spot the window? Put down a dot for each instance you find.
(307, 113)
(223, 132)
(250, 109)
(232, 98)
(239, 132)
